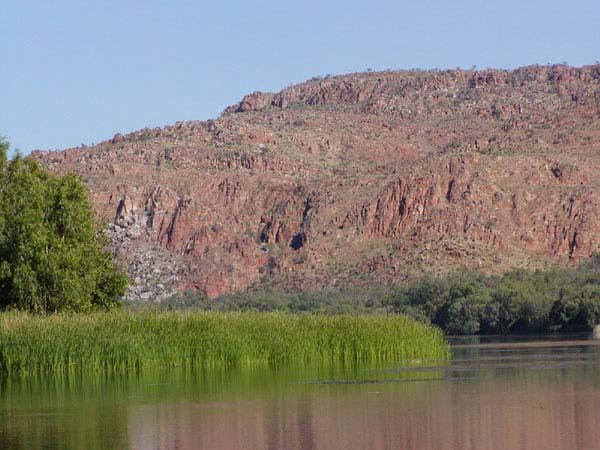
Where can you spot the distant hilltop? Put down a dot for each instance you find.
(356, 179)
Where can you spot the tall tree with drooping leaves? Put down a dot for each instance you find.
(51, 257)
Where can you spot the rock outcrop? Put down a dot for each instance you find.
(355, 179)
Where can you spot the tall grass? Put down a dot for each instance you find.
(126, 340)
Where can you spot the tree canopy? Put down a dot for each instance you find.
(518, 301)
(555, 299)
(51, 257)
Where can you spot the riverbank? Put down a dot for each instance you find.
(554, 300)
(129, 340)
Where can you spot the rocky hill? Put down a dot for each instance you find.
(356, 179)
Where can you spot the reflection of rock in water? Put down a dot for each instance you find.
(505, 403)
(535, 413)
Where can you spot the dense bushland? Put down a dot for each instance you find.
(51, 256)
(519, 301)
(126, 340)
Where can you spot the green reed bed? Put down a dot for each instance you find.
(126, 340)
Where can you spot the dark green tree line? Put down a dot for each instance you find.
(519, 301)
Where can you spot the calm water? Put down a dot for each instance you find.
(536, 393)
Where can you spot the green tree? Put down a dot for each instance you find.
(500, 314)
(51, 257)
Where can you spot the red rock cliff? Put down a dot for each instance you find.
(355, 179)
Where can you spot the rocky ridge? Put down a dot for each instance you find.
(355, 179)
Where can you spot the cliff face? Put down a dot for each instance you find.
(360, 178)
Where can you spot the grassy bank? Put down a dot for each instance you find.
(464, 302)
(126, 340)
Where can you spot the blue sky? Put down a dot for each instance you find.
(76, 71)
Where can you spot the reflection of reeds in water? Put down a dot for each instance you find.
(198, 385)
(126, 340)
(302, 407)
(103, 410)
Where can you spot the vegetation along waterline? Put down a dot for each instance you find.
(52, 255)
(126, 340)
(464, 302)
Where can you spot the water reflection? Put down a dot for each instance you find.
(465, 415)
(491, 396)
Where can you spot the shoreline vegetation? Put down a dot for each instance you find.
(461, 303)
(53, 257)
(124, 340)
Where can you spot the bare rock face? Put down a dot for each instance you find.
(356, 179)
(256, 101)
(153, 270)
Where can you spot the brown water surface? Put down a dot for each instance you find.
(517, 393)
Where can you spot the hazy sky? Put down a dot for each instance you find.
(76, 71)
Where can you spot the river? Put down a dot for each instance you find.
(538, 392)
